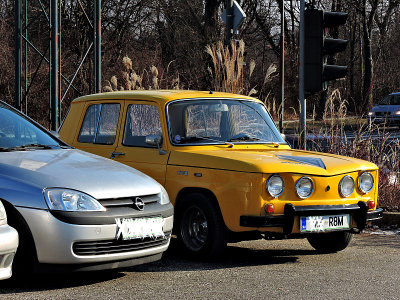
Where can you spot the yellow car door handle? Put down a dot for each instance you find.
(115, 154)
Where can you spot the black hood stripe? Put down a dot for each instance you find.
(305, 160)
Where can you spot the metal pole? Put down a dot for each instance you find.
(303, 132)
(229, 22)
(97, 46)
(282, 66)
(26, 58)
(54, 84)
(17, 54)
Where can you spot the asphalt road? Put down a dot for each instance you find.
(290, 269)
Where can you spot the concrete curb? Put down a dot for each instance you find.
(389, 219)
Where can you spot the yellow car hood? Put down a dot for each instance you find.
(269, 161)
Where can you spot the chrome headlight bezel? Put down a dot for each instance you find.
(270, 181)
(59, 199)
(363, 190)
(299, 182)
(341, 189)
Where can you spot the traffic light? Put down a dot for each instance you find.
(318, 47)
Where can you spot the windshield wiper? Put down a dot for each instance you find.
(243, 138)
(200, 138)
(33, 146)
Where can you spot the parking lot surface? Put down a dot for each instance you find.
(367, 269)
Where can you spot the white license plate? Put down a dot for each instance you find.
(139, 228)
(324, 223)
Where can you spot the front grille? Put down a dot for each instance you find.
(120, 246)
(128, 202)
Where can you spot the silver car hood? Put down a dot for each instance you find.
(74, 169)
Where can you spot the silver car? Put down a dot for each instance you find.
(74, 210)
(8, 244)
(387, 110)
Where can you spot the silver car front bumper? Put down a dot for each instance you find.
(8, 248)
(56, 241)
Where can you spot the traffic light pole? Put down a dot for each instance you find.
(229, 22)
(303, 132)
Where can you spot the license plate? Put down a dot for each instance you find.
(324, 223)
(139, 228)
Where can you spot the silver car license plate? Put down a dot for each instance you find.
(139, 228)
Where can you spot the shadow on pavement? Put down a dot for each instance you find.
(234, 257)
(173, 260)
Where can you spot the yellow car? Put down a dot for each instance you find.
(227, 170)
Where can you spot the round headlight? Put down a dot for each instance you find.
(275, 185)
(304, 187)
(346, 186)
(366, 182)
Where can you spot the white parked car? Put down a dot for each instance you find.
(8, 244)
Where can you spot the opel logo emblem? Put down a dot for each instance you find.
(138, 202)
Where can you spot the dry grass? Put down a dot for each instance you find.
(368, 142)
(151, 78)
(229, 73)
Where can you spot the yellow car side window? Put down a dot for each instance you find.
(142, 120)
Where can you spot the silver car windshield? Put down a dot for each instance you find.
(199, 122)
(18, 133)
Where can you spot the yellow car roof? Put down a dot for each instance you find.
(160, 95)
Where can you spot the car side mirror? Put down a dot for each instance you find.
(155, 140)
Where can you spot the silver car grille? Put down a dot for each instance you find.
(117, 246)
(129, 201)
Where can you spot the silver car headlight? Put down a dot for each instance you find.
(346, 186)
(3, 216)
(304, 187)
(275, 185)
(366, 182)
(70, 200)
(164, 199)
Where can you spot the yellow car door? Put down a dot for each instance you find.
(141, 141)
(100, 127)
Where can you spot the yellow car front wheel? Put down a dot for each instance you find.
(201, 228)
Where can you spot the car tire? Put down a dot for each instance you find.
(330, 242)
(201, 232)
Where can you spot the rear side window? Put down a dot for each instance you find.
(142, 120)
(100, 124)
